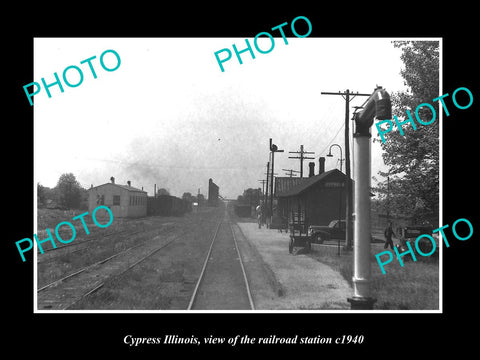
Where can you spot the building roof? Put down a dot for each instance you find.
(308, 182)
(283, 184)
(126, 187)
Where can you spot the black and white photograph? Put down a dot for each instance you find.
(229, 190)
(294, 182)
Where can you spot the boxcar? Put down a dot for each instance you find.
(166, 205)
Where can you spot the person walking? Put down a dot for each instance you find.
(258, 211)
(388, 236)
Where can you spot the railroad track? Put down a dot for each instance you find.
(63, 293)
(223, 282)
(53, 253)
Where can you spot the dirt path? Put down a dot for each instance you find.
(302, 282)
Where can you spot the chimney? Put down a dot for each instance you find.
(311, 165)
(112, 179)
(129, 183)
(321, 165)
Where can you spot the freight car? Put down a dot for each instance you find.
(166, 205)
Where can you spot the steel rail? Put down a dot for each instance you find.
(200, 278)
(88, 267)
(247, 286)
(99, 262)
(102, 283)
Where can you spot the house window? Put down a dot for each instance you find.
(116, 199)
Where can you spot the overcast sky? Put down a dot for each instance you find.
(169, 116)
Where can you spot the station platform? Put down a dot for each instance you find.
(306, 283)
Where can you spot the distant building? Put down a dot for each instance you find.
(212, 193)
(317, 200)
(123, 200)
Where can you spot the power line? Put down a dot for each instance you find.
(328, 144)
(347, 96)
(301, 157)
(290, 172)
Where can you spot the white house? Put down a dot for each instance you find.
(123, 200)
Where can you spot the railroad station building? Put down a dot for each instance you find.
(122, 200)
(317, 200)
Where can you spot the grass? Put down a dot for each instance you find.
(411, 287)
(145, 287)
(65, 262)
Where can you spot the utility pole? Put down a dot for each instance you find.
(273, 149)
(301, 157)
(263, 185)
(348, 217)
(388, 198)
(290, 172)
(266, 190)
(267, 181)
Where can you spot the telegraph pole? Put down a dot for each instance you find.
(263, 185)
(267, 185)
(301, 157)
(273, 149)
(348, 217)
(290, 172)
(266, 190)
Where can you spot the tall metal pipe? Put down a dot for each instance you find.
(377, 106)
(361, 245)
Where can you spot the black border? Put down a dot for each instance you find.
(87, 334)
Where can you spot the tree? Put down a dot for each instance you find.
(250, 196)
(413, 159)
(187, 196)
(41, 195)
(69, 191)
(200, 199)
(162, 191)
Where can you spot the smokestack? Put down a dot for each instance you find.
(154, 190)
(321, 165)
(311, 165)
(129, 183)
(112, 179)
